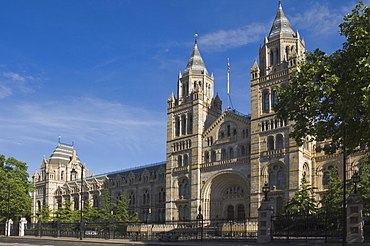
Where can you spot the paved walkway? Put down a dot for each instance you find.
(187, 243)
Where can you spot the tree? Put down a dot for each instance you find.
(66, 214)
(45, 213)
(303, 202)
(105, 213)
(121, 213)
(90, 213)
(116, 211)
(333, 197)
(328, 97)
(364, 184)
(14, 188)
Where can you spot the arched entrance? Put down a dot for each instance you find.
(226, 196)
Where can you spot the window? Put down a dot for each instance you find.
(224, 154)
(214, 155)
(230, 212)
(131, 197)
(276, 177)
(75, 203)
(179, 161)
(183, 189)
(190, 128)
(241, 212)
(146, 198)
(231, 153)
(265, 102)
(270, 142)
(243, 152)
(177, 126)
(206, 156)
(186, 160)
(279, 141)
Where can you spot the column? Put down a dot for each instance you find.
(264, 222)
(355, 233)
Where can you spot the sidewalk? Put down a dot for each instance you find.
(190, 243)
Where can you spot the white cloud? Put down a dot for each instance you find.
(87, 120)
(11, 83)
(225, 39)
(5, 91)
(319, 20)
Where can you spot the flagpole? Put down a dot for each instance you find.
(228, 83)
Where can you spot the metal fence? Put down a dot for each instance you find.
(198, 230)
(320, 226)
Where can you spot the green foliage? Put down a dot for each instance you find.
(105, 213)
(44, 213)
(363, 187)
(110, 211)
(303, 202)
(329, 95)
(66, 214)
(332, 201)
(14, 185)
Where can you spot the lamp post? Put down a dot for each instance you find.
(266, 190)
(200, 218)
(81, 202)
(355, 180)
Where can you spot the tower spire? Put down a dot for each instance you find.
(195, 64)
(281, 26)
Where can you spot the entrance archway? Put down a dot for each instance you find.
(226, 196)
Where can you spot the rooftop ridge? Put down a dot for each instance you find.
(132, 168)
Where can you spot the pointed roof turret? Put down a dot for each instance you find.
(195, 64)
(281, 26)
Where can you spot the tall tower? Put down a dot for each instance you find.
(188, 115)
(275, 158)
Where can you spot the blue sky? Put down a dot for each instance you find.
(100, 72)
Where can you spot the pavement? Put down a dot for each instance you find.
(187, 243)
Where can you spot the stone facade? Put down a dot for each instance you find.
(216, 161)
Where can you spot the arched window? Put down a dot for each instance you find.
(186, 160)
(279, 178)
(271, 143)
(230, 212)
(131, 197)
(214, 155)
(183, 189)
(279, 141)
(228, 131)
(179, 161)
(190, 128)
(206, 156)
(177, 126)
(243, 152)
(276, 177)
(271, 57)
(231, 153)
(265, 101)
(224, 154)
(183, 130)
(272, 179)
(326, 177)
(241, 212)
(75, 203)
(95, 201)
